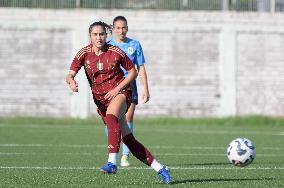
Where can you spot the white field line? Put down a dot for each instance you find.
(104, 146)
(141, 168)
(156, 154)
(52, 153)
(50, 127)
(53, 145)
(178, 131)
(202, 131)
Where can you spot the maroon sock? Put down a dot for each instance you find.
(114, 133)
(138, 150)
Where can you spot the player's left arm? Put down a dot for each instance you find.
(132, 74)
(143, 76)
(140, 62)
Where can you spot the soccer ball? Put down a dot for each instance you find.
(241, 152)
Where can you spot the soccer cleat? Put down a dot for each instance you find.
(164, 174)
(124, 161)
(109, 168)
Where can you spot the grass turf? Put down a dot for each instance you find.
(46, 152)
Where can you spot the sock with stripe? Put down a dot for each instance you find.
(114, 133)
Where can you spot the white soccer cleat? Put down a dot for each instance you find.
(124, 161)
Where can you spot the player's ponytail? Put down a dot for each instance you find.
(107, 27)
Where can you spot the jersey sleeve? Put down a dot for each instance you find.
(126, 63)
(78, 61)
(139, 58)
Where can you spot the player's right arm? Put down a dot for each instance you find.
(71, 81)
(76, 65)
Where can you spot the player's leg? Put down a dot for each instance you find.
(115, 111)
(129, 118)
(125, 151)
(117, 126)
(142, 153)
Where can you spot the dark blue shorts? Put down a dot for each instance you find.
(134, 92)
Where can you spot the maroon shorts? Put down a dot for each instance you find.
(103, 104)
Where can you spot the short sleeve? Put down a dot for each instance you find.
(127, 63)
(140, 60)
(77, 62)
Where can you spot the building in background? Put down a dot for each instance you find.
(210, 58)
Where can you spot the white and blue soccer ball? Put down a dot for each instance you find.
(241, 152)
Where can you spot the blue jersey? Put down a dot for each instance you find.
(133, 50)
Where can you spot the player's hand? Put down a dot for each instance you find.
(111, 94)
(73, 85)
(145, 96)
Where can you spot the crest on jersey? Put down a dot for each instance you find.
(130, 50)
(99, 66)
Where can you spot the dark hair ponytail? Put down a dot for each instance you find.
(107, 28)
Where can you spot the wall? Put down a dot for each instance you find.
(198, 63)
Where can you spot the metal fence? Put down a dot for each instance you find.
(209, 5)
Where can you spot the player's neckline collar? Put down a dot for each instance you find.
(102, 51)
(123, 42)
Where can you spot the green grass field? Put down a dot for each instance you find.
(42, 152)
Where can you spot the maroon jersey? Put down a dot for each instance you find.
(103, 71)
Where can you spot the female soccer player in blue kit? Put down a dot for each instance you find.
(134, 51)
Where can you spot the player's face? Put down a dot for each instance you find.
(120, 29)
(98, 36)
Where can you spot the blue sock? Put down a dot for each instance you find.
(125, 150)
(106, 131)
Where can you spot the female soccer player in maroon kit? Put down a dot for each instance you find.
(112, 95)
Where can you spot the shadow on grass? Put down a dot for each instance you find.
(209, 164)
(219, 180)
(201, 164)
